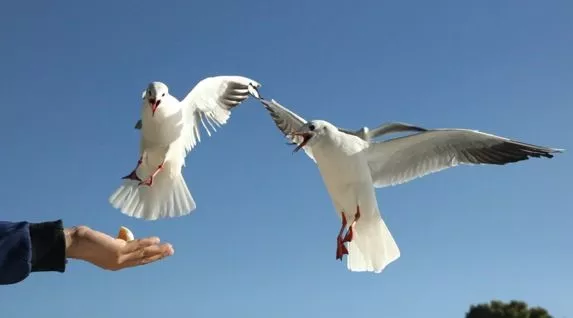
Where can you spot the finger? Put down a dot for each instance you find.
(148, 255)
(153, 258)
(138, 244)
(142, 253)
(167, 251)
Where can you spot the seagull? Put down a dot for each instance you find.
(352, 167)
(169, 131)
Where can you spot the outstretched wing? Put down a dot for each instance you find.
(210, 103)
(287, 122)
(403, 159)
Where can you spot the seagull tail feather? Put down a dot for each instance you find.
(167, 197)
(372, 247)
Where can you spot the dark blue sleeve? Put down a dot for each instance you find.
(30, 247)
(15, 252)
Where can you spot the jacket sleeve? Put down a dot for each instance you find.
(30, 247)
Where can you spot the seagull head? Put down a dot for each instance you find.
(155, 92)
(311, 132)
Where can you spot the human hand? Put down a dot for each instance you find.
(111, 253)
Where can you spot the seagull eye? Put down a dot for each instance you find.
(163, 95)
(311, 127)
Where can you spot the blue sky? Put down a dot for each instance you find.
(262, 240)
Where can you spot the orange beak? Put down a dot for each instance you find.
(305, 138)
(154, 104)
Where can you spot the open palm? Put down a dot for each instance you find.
(112, 253)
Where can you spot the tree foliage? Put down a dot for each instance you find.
(513, 309)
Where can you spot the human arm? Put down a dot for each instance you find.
(34, 247)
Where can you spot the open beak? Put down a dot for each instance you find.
(154, 104)
(306, 136)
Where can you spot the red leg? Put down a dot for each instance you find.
(133, 174)
(343, 226)
(149, 180)
(349, 234)
(340, 248)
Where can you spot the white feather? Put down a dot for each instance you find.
(211, 100)
(167, 197)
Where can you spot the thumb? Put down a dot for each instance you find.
(125, 234)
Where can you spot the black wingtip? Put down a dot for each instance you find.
(549, 153)
(254, 91)
(267, 104)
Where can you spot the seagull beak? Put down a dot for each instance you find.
(306, 136)
(154, 104)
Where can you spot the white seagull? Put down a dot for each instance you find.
(169, 130)
(352, 166)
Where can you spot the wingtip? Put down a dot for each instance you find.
(253, 82)
(253, 89)
(549, 153)
(266, 102)
(270, 102)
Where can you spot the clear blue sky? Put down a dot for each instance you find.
(262, 240)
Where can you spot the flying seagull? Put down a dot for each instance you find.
(169, 130)
(351, 167)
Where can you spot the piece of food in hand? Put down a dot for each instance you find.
(125, 234)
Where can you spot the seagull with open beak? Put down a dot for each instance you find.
(352, 165)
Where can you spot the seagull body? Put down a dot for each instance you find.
(344, 169)
(352, 166)
(169, 130)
